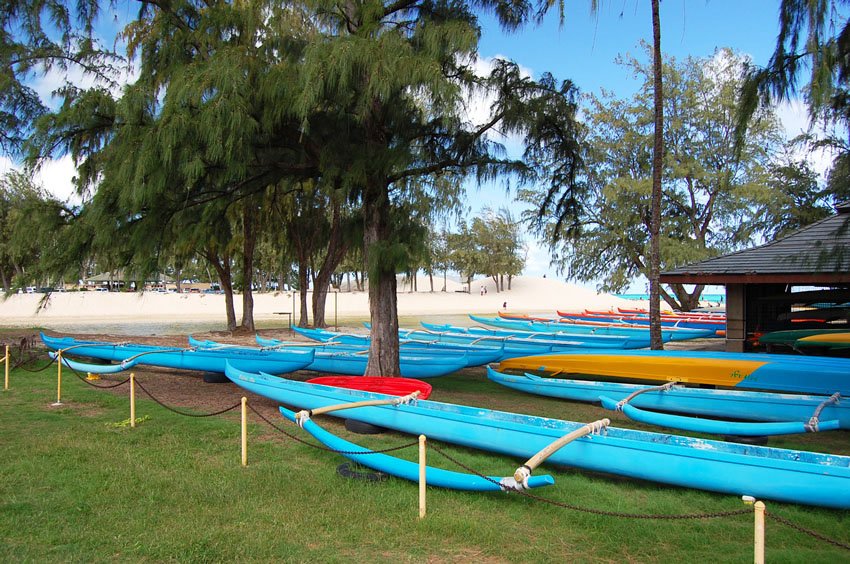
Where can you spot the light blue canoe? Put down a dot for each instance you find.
(557, 340)
(736, 469)
(712, 325)
(475, 355)
(512, 326)
(354, 363)
(568, 329)
(272, 362)
(410, 470)
(506, 348)
(729, 404)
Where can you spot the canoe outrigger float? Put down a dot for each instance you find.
(404, 468)
(783, 413)
(767, 473)
(755, 371)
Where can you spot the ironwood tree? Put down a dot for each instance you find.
(715, 199)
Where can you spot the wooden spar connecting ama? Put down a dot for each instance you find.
(523, 473)
(308, 413)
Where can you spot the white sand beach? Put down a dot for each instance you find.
(86, 311)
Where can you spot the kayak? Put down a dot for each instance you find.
(379, 384)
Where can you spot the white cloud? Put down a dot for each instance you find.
(794, 115)
(56, 175)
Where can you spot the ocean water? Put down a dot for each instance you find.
(717, 298)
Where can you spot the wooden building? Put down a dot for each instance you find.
(785, 284)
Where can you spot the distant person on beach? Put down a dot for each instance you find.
(505, 305)
(485, 290)
(481, 292)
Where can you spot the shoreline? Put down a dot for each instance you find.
(112, 311)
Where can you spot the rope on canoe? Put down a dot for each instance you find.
(631, 396)
(812, 425)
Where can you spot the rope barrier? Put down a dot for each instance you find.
(809, 532)
(324, 448)
(177, 411)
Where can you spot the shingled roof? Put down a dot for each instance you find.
(816, 254)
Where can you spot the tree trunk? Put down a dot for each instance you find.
(383, 306)
(510, 278)
(431, 280)
(337, 248)
(222, 268)
(303, 272)
(249, 243)
(445, 280)
(655, 211)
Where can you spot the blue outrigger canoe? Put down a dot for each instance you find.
(128, 354)
(408, 470)
(556, 340)
(354, 362)
(713, 325)
(737, 469)
(475, 355)
(568, 330)
(784, 413)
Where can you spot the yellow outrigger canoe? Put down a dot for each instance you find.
(827, 340)
(803, 374)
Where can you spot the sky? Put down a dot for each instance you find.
(583, 49)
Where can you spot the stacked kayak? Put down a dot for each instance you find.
(589, 326)
(631, 340)
(784, 413)
(352, 361)
(129, 354)
(834, 342)
(766, 473)
(688, 322)
(791, 336)
(773, 372)
(587, 340)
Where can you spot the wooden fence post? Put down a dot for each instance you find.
(244, 431)
(422, 466)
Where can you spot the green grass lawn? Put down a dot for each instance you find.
(76, 487)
